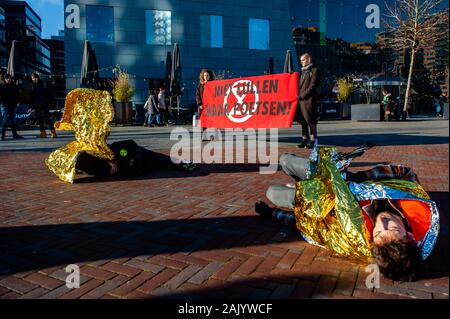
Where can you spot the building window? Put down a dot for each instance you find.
(258, 34)
(99, 23)
(211, 34)
(159, 27)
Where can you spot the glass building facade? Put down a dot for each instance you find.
(23, 24)
(233, 38)
(336, 19)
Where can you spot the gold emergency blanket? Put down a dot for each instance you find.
(328, 214)
(88, 113)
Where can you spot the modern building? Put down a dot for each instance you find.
(24, 25)
(57, 65)
(3, 47)
(337, 19)
(337, 57)
(233, 38)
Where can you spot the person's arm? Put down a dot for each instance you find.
(312, 85)
(198, 97)
(155, 105)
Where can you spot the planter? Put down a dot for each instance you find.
(445, 111)
(334, 110)
(366, 112)
(123, 112)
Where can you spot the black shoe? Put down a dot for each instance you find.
(303, 144)
(310, 144)
(263, 209)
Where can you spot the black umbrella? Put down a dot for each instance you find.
(176, 75)
(90, 77)
(270, 68)
(14, 67)
(168, 74)
(288, 63)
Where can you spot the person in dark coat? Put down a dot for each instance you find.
(204, 76)
(307, 115)
(130, 160)
(9, 97)
(39, 101)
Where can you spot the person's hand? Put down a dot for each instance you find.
(114, 167)
(200, 107)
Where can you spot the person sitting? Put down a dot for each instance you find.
(382, 214)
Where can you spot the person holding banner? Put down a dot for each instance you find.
(307, 89)
(204, 76)
(382, 214)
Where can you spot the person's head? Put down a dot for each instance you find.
(35, 77)
(162, 89)
(206, 75)
(394, 248)
(305, 59)
(8, 78)
(385, 91)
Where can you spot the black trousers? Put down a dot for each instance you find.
(8, 113)
(43, 117)
(132, 160)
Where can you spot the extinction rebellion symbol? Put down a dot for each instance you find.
(243, 103)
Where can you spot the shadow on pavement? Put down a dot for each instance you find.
(385, 139)
(201, 170)
(437, 265)
(28, 248)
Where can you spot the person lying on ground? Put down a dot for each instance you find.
(130, 159)
(382, 214)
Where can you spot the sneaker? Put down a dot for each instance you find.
(310, 144)
(263, 209)
(303, 144)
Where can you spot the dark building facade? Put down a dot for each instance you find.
(24, 25)
(337, 57)
(58, 66)
(233, 38)
(3, 48)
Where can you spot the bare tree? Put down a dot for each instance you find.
(413, 25)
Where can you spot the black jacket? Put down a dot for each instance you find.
(40, 96)
(9, 95)
(199, 94)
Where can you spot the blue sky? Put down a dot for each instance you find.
(51, 13)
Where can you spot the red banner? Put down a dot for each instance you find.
(267, 101)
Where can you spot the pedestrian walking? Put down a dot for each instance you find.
(39, 101)
(9, 97)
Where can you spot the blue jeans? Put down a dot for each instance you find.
(8, 113)
(151, 117)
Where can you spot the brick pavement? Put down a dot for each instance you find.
(186, 235)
